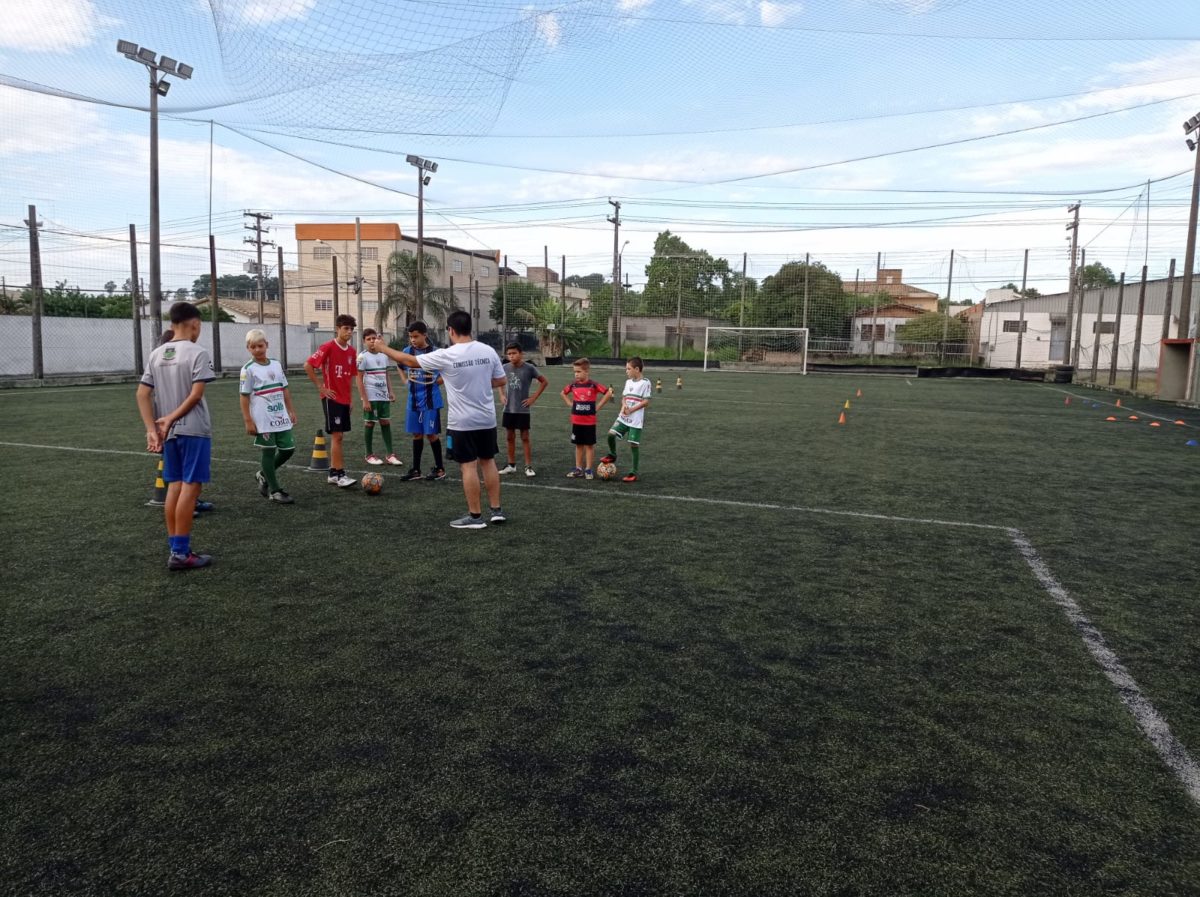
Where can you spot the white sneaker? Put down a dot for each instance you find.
(332, 478)
(530, 472)
(374, 460)
(343, 481)
(507, 469)
(394, 461)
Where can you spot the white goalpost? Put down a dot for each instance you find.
(781, 350)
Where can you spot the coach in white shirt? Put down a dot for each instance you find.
(471, 370)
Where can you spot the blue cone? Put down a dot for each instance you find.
(1095, 404)
(1192, 442)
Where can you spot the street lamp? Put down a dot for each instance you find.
(424, 169)
(1191, 126)
(159, 86)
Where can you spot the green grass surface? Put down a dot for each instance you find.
(624, 691)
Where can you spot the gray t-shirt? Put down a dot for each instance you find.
(171, 372)
(517, 390)
(468, 370)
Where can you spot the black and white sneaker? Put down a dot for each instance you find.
(262, 484)
(438, 473)
(507, 469)
(413, 474)
(468, 522)
(282, 498)
(497, 516)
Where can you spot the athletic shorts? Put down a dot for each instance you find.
(378, 411)
(426, 422)
(515, 420)
(583, 434)
(632, 435)
(186, 459)
(465, 446)
(337, 416)
(282, 439)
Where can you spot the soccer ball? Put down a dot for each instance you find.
(607, 471)
(372, 483)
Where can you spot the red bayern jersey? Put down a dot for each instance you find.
(338, 366)
(583, 400)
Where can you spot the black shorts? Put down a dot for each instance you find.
(583, 434)
(465, 446)
(337, 416)
(514, 420)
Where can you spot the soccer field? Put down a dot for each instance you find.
(946, 648)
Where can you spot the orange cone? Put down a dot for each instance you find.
(1118, 403)
(842, 418)
(1067, 400)
(1181, 423)
(1155, 423)
(858, 394)
(1110, 418)
(1133, 417)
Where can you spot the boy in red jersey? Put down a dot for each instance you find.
(580, 396)
(338, 362)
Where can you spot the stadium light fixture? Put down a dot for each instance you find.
(159, 87)
(1191, 124)
(422, 166)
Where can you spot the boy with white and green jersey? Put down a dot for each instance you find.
(628, 425)
(268, 414)
(375, 390)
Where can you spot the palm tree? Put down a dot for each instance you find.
(400, 296)
(556, 326)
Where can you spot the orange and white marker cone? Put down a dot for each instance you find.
(858, 393)
(842, 418)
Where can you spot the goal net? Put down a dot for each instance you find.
(781, 350)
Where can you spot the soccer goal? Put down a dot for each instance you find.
(782, 350)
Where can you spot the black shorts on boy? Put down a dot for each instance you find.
(465, 446)
(583, 434)
(514, 420)
(337, 416)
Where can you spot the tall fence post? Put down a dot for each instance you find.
(1021, 308)
(504, 300)
(135, 297)
(1096, 340)
(1074, 359)
(35, 281)
(946, 322)
(1137, 332)
(1116, 350)
(336, 310)
(1166, 330)
(214, 303)
(282, 311)
(379, 294)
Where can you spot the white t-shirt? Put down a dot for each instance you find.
(374, 368)
(635, 391)
(468, 370)
(264, 384)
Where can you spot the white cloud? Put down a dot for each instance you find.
(774, 14)
(29, 117)
(265, 12)
(632, 5)
(59, 27)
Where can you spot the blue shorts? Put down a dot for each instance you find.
(426, 422)
(186, 459)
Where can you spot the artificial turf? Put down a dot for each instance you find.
(698, 684)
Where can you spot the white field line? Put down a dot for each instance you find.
(1148, 719)
(909, 382)
(1152, 724)
(1095, 401)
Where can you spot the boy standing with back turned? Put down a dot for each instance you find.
(170, 399)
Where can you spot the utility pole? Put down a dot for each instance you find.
(35, 280)
(615, 220)
(1073, 227)
(215, 303)
(282, 311)
(504, 299)
(257, 240)
(1074, 359)
(1189, 258)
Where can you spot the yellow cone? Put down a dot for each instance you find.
(160, 489)
(320, 456)
(847, 405)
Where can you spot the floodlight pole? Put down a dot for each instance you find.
(1189, 258)
(155, 260)
(425, 168)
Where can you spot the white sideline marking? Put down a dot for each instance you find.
(1148, 719)
(1093, 399)
(909, 382)
(1152, 724)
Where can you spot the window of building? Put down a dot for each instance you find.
(880, 332)
(323, 305)
(322, 252)
(1016, 326)
(370, 253)
(1104, 326)
(458, 266)
(484, 271)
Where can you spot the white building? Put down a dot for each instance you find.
(1044, 330)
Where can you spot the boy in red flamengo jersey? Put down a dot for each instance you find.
(580, 396)
(338, 362)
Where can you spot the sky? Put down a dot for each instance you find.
(849, 130)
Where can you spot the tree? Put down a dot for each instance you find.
(400, 295)
(181, 294)
(1095, 275)
(110, 287)
(930, 328)
(586, 281)
(1027, 293)
(779, 302)
(236, 286)
(522, 296)
(682, 278)
(558, 327)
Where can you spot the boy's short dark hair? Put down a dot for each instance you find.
(183, 311)
(345, 321)
(418, 327)
(370, 331)
(582, 363)
(512, 346)
(460, 322)
(636, 362)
